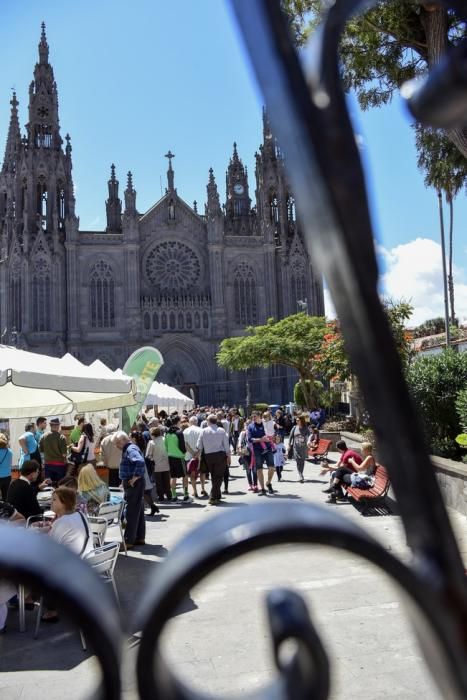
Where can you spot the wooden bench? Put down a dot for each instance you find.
(322, 450)
(374, 495)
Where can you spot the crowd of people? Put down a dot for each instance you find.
(157, 462)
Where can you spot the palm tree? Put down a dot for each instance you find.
(445, 169)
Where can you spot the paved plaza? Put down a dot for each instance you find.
(219, 642)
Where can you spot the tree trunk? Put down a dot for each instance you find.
(434, 20)
(305, 392)
(443, 257)
(450, 277)
(357, 402)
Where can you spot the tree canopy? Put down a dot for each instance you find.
(332, 361)
(293, 342)
(435, 382)
(389, 44)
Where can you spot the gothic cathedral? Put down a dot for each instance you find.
(172, 277)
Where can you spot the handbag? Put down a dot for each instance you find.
(193, 466)
(78, 458)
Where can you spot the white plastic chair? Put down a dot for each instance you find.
(113, 514)
(98, 529)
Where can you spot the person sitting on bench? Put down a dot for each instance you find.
(355, 464)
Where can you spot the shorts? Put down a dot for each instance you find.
(264, 458)
(177, 467)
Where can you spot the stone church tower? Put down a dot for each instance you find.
(171, 277)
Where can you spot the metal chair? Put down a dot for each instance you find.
(113, 514)
(34, 521)
(98, 528)
(102, 560)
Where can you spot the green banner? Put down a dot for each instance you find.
(143, 365)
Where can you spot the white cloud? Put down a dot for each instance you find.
(414, 273)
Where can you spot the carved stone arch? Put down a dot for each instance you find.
(16, 270)
(41, 285)
(185, 358)
(245, 294)
(102, 295)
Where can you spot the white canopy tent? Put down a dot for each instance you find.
(163, 396)
(32, 385)
(167, 398)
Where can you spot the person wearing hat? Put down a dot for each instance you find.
(54, 448)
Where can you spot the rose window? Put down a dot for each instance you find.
(172, 266)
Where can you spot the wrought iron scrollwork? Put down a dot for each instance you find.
(39, 562)
(237, 533)
(309, 116)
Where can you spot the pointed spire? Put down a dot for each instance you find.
(68, 148)
(43, 47)
(170, 172)
(195, 206)
(113, 205)
(213, 206)
(235, 158)
(13, 142)
(130, 196)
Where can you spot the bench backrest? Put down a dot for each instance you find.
(382, 481)
(323, 445)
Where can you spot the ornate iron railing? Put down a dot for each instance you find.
(309, 116)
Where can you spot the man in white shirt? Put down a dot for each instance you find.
(111, 455)
(191, 435)
(214, 442)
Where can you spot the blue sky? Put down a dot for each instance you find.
(135, 80)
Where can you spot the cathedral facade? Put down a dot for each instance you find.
(173, 277)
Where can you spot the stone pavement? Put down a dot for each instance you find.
(219, 642)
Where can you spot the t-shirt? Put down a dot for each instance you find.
(38, 434)
(70, 531)
(31, 447)
(269, 427)
(6, 459)
(191, 436)
(350, 454)
(255, 431)
(75, 434)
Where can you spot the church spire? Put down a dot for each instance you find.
(43, 126)
(170, 172)
(13, 139)
(213, 206)
(113, 205)
(43, 47)
(130, 196)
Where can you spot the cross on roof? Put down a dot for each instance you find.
(170, 155)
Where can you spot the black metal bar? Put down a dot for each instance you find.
(36, 560)
(310, 119)
(241, 531)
